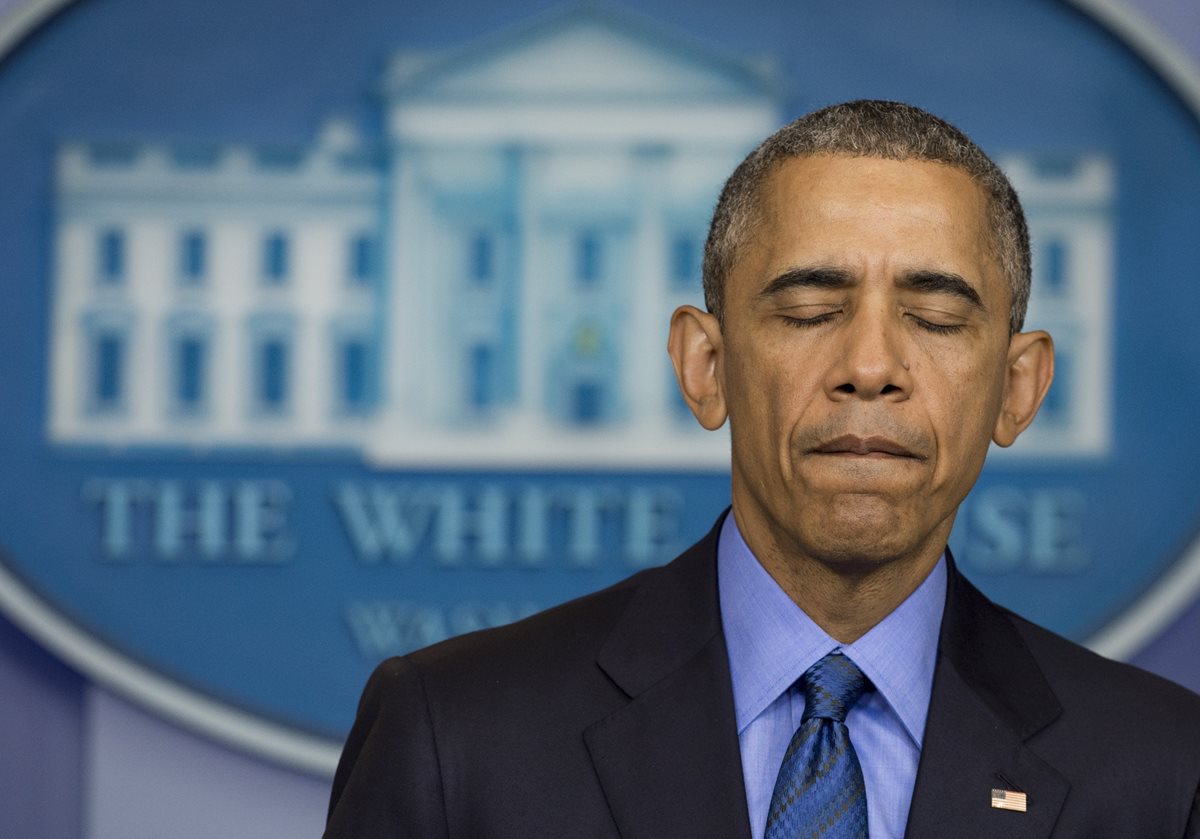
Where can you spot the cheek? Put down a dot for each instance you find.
(967, 407)
(767, 395)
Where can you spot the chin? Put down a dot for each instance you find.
(863, 553)
(867, 538)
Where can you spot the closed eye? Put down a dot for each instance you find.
(809, 322)
(937, 328)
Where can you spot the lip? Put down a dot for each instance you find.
(851, 444)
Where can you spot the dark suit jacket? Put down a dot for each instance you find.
(612, 716)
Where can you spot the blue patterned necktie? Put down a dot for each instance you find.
(820, 791)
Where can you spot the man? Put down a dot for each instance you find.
(816, 665)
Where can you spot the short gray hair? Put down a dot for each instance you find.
(879, 129)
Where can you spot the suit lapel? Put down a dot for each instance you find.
(989, 697)
(669, 761)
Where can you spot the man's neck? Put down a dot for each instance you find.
(845, 596)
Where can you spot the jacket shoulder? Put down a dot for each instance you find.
(1121, 731)
(1073, 670)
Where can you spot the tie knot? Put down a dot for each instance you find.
(831, 687)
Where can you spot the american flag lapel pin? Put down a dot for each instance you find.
(1009, 799)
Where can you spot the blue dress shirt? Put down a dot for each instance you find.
(771, 642)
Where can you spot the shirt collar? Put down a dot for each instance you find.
(771, 641)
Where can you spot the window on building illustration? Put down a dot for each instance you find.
(1054, 267)
(113, 154)
(685, 262)
(279, 157)
(193, 256)
(194, 156)
(276, 258)
(1056, 166)
(355, 382)
(191, 361)
(363, 257)
(482, 258)
(111, 256)
(481, 376)
(108, 386)
(588, 257)
(589, 340)
(358, 160)
(273, 374)
(587, 403)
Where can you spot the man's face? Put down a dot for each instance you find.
(864, 361)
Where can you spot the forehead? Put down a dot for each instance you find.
(858, 211)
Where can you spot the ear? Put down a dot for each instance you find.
(695, 349)
(1029, 373)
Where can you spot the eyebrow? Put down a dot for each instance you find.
(819, 277)
(941, 282)
(825, 277)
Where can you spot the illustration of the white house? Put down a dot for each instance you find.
(489, 283)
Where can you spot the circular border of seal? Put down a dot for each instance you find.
(1121, 638)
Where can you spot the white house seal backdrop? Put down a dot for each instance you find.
(332, 332)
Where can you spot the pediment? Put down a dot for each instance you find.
(585, 54)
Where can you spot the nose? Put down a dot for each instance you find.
(870, 363)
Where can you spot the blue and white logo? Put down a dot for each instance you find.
(486, 284)
(297, 378)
